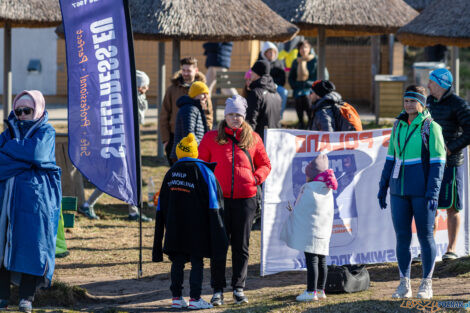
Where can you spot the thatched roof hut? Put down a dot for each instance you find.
(345, 17)
(30, 13)
(444, 22)
(211, 20)
(193, 20)
(418, 5)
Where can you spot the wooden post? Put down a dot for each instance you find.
(375, 67)
(7, 79)
(161, 90)
(176, 55)
(321, 44)
(391, 50)
(456, 68)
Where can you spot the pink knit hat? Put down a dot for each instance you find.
(31, 99)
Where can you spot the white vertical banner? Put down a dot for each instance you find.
(362, 232)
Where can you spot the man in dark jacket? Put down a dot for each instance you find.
(218, 55)
(264, 103)
(190, 117)
(189, 211)
(452, 113)
(325, 115)
(270, 53)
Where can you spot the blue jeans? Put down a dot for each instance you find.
(283, 93)
(403, 210)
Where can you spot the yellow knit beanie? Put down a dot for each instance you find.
(197, 88)
(187, 147)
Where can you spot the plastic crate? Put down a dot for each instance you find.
(69, 220)
(69, 204)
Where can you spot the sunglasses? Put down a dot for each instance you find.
(26, 111)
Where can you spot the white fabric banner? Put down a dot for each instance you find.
(362, 232)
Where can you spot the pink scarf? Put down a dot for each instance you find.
(328, 177)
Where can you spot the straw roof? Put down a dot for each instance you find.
(418, 5)
(30, 13)
(345, 17)
(213, 20)
(444, 22)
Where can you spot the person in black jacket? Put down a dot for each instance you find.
(270, 53)
(452, 113)
(190, 117)
(264, 103)
(325, 108)
(189, 211)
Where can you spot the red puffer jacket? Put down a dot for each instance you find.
(233, 170)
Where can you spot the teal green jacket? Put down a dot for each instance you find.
(421, 169)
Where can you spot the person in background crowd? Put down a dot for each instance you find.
(270, 53)
(310, 224)
(218, 55)
(180, 84)
(87, 208)
(143, 82)
(264, 103)
(191, 118)
(30, 199)
(413, 169)
(301, 77)
(242, 165)
(452, 113)
(325, 98)
(189, 211)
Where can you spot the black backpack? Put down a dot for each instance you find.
(347, 278)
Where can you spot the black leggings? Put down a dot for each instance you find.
(302, 104)
(27, 285)
(238, 219)
(195, 275)
(316, 271)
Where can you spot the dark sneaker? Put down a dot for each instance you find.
(62, 255)
(3, 304)
(135, 217)
(449, 256)
(25, 306)
(416, 259)
(88, 212)
(239, 296)
(217, 299)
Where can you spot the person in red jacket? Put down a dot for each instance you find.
(239, 176)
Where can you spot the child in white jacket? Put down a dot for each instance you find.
(309, 225)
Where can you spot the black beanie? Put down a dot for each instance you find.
(261, 67)
(323, 87)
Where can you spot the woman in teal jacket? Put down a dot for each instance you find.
(413, 170)
(30, 197)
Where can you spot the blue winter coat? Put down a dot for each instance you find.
(30, 197)
(218, 53)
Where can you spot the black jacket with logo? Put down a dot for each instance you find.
(190, 212)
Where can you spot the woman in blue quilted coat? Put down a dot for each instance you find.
(30, 197)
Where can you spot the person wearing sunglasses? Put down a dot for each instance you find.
(30, 197)
(452, 113)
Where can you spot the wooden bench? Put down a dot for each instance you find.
(229, 79)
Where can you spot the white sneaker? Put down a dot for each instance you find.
(403, 290)
(179, 303)
(307, 296)
(321, 294)
(425, 289)
(199, 304)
